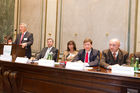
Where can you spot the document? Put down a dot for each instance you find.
(123, 70)
(75, 65)
(6, 58)
(21, 60)
(44, 62)
(7, 49)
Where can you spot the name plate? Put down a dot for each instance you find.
(6, 57)
(7, 50)
(75, 66)
(123, 70)
(21, 60)
(44, 62)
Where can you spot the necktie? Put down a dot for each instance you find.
(114, 55)
(86, 58)
(21, 38)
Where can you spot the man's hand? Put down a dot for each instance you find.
(24, 45)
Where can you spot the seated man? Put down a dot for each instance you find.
(114, 55)
(50, 49)
(88, 54)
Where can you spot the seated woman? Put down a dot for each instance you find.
(71, 52)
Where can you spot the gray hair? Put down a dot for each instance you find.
(115, 40)
(25, 25)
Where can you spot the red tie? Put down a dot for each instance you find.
(21, 38)
(114, 55)
(86, 58)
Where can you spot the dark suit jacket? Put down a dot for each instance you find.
(93, 59)
(137, 55)
(107, 58)
(44, 50)
(27, 38)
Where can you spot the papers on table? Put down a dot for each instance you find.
(6, 57)
(7, 50)
(75, 65)
(6, 53)
(123, 70)
(44, 62)
(21, 60)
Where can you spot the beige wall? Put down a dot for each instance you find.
(138, 31)
(99, 20)
(31, 14)
(40, 15)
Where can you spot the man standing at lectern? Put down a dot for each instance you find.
(25, 39)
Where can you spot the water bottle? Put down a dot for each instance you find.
(136, 66)
(132, 62)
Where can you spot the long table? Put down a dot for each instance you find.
(33, 78)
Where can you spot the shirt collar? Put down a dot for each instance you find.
(88, 51)
(116, 52)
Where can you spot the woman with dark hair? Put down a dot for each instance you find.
(71, 51)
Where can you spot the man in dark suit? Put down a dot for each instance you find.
(50, 49)
(25, 39)
(114, 55)
(88, 55)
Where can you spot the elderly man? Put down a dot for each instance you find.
(25, 39)
(114, 55)
(88, 54)
(50, 49)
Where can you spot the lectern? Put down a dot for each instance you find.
(17, 51)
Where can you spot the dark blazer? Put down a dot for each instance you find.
(27, 38)
(107, 58)
(44, 50)
(93, 59)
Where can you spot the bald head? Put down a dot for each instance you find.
(114, 45)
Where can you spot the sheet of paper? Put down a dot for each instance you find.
(123, 70)
(7, 50)
(75, 65)
(44, 62)
(6, 57)
(21, 60)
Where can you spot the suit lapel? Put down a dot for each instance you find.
(90, 55)
(111, 58)
(120, 57)
(83, 55)
(26, 34)
(44, 52)
(51, 50)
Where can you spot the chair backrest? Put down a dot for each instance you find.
(58, 56)
(100, 55)
(131, 55)
(137, 54)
